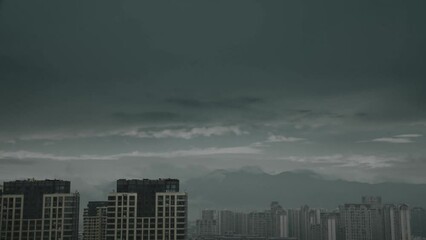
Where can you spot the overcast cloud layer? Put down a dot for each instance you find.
(95, 90)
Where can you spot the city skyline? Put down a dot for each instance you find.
(157, 209)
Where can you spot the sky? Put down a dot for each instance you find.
(96, 90)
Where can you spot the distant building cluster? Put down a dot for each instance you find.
(368, 220)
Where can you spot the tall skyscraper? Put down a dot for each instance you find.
(147, 209)
(32, 209)
(94, 220)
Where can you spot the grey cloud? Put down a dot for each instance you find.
(136, 59)
(333, 72)
(344, 161)
(410, 135)
(135, 132)
(236, 103)
(402, 138)
(418, 123)
(392, 140)
(193, 152)
(361, 114)
(185, 133)
(13, 161)
(154, 116)
(279, 138)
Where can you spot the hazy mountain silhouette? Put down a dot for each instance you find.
(253, 189)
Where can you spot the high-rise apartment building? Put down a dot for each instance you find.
(357, 221)
(226, 222)
(330, 226)
(32, 209)
(208, 225)
(279, 221)
(418, 222)
(222, 223)
(268, 224)
(396, 222)
(314, 224)
(147, 189)
(374, 220)
(404, 224)
(147, 209)
(241, 223)
(259, 224)
(376, 208)
(304, 224)
(94, 220)
(294, 223)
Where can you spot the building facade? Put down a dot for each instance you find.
(208, 225)
(418, 222)
(331, 228)
(94, 220)
(357, 221)
(128, 216)
(396, 222)
(34, 209)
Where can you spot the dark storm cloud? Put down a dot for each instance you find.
(148, 117)
(14, 161)
(102, 56)
(225, 103)
(331, 72)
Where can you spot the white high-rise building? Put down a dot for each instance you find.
(396, 222)
(60, 216)
(126, 220)
(279, 222)
(404, 221)
(330, 226)
(39, 210)
(283, 225)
